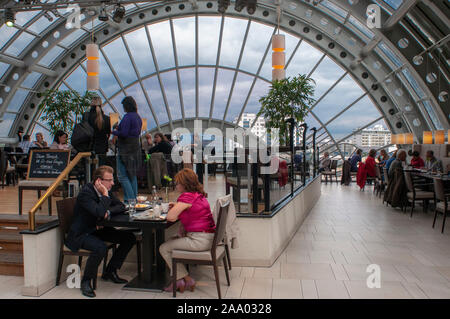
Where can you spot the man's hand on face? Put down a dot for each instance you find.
(100, 187)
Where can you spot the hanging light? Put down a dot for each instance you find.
(144, 125)
(239, 5)
(278, 57)
(93, 68)
(9, 17)
(393, 139)
(427, 137)
(409, 138)
(401, 138)
(439, 137)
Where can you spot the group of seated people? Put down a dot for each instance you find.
(96, 202)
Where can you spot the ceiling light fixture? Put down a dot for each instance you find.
(103, 16)
(251, 6)
(9, 17)
(119, 13)
(223, 5)
(239, 5)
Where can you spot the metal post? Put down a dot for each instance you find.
(314, 151)
(291, 122)
(305, 128)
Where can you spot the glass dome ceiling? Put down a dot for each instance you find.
(192, 63)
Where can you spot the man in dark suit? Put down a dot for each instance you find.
(94, 203)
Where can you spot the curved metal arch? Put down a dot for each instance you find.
(207, 11)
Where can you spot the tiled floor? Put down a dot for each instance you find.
(327, 258)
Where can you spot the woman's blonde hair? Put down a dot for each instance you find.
(97, 102)
(189, 180)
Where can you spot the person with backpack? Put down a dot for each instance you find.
(128, 144)
(102, 129)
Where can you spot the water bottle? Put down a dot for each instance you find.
(155, 196)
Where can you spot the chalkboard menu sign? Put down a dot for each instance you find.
(47, 164)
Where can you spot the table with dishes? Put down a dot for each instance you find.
(153, 225)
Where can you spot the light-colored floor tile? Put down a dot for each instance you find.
(331, 289)
(359, 272)
(388, 290)
(307, 271)
(235, 289)
(356, 258)
(414, 290)
(428, 274)
(257, 288)
(318, 257)
(287, 289)
(247, 271)
(339, 272)
(264, 272)
(435, 290)
(309, 290)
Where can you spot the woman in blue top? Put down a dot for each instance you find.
(129, 158)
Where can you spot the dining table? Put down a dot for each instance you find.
(154, 276)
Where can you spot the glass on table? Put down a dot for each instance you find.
(132, 207)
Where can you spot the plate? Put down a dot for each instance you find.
(142, 207)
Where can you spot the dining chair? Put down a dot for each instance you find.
(332, 172)
(414, 194)
(442, 206)
(207, 257)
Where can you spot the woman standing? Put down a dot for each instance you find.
(102, 129)
(370, 163)
(162, 145)
(129, 158)
(193, 210)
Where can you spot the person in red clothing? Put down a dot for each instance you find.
(370, 163)
(193, 210)
(417, 161)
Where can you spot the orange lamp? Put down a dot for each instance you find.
(93, 69)
(113, 118)
(278, 57)
(439, 137)
(427, 137)
(409, 138)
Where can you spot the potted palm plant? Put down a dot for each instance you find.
(62, 109)
(287, 101)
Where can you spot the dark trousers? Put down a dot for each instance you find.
(95, 242)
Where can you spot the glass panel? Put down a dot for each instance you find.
(361, 27)
(16, 102)
(432, 114)
(24, 17)
(358, 115)
(187, 77)
(388, 52)
(120, 61)
(260, 89)
(117, 102)
(6, 124)
(184, 30)
(233, 35)
(258, 38)
(326, 74)
(162, 44)
(416, 87)
(224, 80)
(19, 44)
(48, 59)
(69, 40)
(205, 82)
(77, 80)
(266, 70)
(208, 33)
(154, 92)
(108, 82)
(31, 80)
(240, 92)
(332, 7)
(169, 80)
(42, 24)
(140, 50)
(337, 99)
(88, 25)
(3, 68)
(394, 3)
(303, 61)
(6, 33)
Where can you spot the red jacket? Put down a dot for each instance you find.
(370, 166)
(417, 163)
